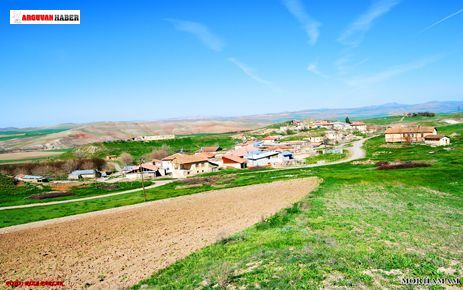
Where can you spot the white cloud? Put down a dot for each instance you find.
(200, 31)
(355, 32)
(366, 80)
(309, 24)
(442, 20)
(313, 68)
(250, 72)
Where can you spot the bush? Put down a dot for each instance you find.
(400, 165)
(52, 168)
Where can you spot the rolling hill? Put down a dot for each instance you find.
(72, 135)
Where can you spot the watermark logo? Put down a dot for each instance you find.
(44, 16)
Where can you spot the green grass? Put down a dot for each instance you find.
(18, 195)
(190, 144)
(362, 228)
(433, 121)
(14, 134)
(325, 157)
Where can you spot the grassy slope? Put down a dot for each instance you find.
(19, 195)
(325, 157)
(189, 144)
(14, 134)
(362, 228)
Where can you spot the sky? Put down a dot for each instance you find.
(152, 60)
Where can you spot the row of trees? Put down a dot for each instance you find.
(61, 168)
(54, 168)
(157, 153)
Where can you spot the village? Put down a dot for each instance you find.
(292, 144)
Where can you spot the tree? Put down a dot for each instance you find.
(348, 121)
(158, 153)
(126, 158)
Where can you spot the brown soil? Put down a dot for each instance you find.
(119, 247)
(27, 155)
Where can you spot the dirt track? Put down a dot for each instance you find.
(119, 247)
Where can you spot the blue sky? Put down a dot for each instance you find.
(150, 60)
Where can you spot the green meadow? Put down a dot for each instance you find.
(187, 143)
(362, 228)
(11, 195)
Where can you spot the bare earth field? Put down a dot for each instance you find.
(119, 247)
(28, 155)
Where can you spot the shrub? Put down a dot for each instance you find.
(400, 165)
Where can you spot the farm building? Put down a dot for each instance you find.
(31, 178)
(323, 124)
(153, 138)
(149, 169)
(437, 140)
(84, 174)
(262, 159)
(232, 161)
(268, 158)
(408, 133)
(182, 165)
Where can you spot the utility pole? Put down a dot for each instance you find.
(142, 179)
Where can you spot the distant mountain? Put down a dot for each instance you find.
(9, 129)
(359, 113)
(79, 134)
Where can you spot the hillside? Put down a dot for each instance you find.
(72, 135)
(111, 131)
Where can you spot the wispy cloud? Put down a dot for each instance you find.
(355, 32)
(366, 80)
(313, 68)
(309, 24)
(200, 31)
(251, 73)
(346, 63)
(442, 20)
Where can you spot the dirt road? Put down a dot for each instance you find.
(118, 247)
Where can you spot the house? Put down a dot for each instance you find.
(84, 174)
(399, 133)
(242, 151)
(359, 126)
(270, 140)
(334, 137)
(149, 170)
(316, 139)
(31, 178)
(153, 138)
(437, 140)
(323, 124)
(182, 165)
(341, 126)
(286, 156)
(263, 158)
(232, 161)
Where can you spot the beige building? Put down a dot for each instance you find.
(437, 140)
(408, 133)
(182, 165)
(359, 126)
